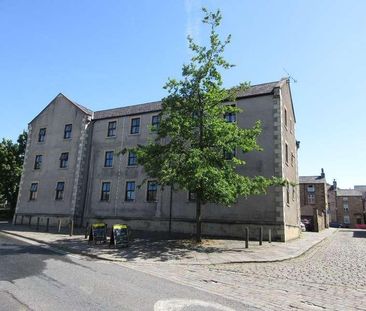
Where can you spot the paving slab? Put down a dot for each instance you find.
(174, 251)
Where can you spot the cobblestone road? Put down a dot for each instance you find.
(331, 276)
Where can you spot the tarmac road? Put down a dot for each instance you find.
(33, 277)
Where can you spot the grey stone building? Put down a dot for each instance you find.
(74, 169)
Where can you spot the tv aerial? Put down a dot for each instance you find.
(289, 76)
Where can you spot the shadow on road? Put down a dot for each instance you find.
(359, 233)
(158, 247)
(20, 260)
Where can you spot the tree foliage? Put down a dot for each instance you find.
(11, 163)
(193, 135)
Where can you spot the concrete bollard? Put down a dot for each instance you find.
(269, 235)
(260, 235)
(246, 237)
(47, 224)
(37, 228)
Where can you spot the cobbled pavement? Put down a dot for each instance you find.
(330, 276)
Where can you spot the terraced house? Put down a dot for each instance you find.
(74, 169)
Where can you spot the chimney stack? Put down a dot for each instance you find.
(334, 184)
(322, 174)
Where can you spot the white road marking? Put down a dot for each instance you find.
(180, 304)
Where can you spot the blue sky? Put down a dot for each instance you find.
(106, 54)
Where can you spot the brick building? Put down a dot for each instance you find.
(350, 207)
(314, 202)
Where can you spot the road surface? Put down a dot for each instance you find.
(37, 278)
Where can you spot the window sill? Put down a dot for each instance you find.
(132, 166)
(111, 137)
(107, 167)
(134, 134)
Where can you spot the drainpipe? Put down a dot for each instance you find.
(170, 209)
(87, 166)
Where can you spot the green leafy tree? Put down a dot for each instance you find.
(193, 135)
(11, 162)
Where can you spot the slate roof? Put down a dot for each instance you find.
(255, 90)
(129, 110)
(312, 180)
(261, 89)
(348, 193)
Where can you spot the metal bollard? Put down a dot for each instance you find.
(59, 226)
(246, 237)
(37, 228)
(260, 235)
(30, 221)
(15, 220)
(86, 230)
(47, 224)
(71, 227)
(269, 235)
(21, 220)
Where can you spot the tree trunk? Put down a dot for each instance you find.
(198, 219)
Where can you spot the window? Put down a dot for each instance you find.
(152, 188)
(106, 189)
(285, 117)
(230, 117)
(346, 219)
(38, 162)
(108, 159)
(292, 159)
(291, 126)
(132, 158)
(130, 191)
(311, 198)
(135, 126)
(293, 193)
(42, 135)
(286, 153)
(191, 196)
(229, 155)
(288, 194)
(358, 220)
(33, 191)
(155, 122)
(60, 190)
(67, 131)
(311, 188)
(64, 159)
(345, 205)
(112, 127)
